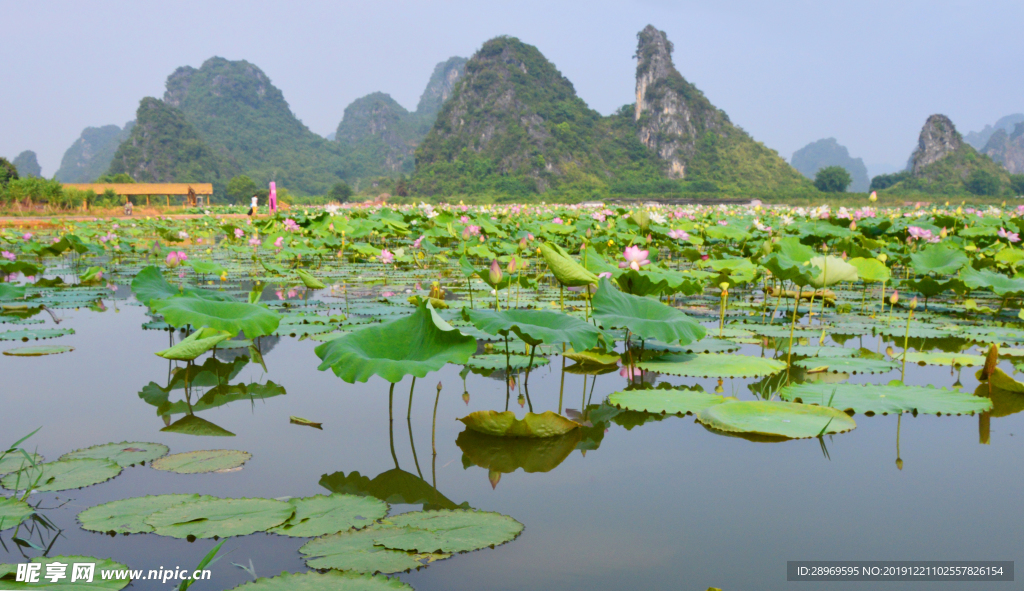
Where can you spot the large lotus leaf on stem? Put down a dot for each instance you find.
(536, 327)
(1001, 285)
(505, 424)
(787, 269)
(309, 280)
(150, 285)
(941, 259)
(196, 344)
(872, 270)
(645, 317)
(251, 319)
(833, 270)
(415, 345)
(566, 270)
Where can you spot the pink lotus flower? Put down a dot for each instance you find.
(419, 240)
(255, 241)
(625, 372)
(635, 258)
(464, 219)
(239, 233)
(292, 293)
(172, 259)
(8, 255)
(28, 236)
(291, 226)
(387, 294)
(1011, 236)
(678, 235)
(606, 274)
(557, 221)
(278, 242)
(387, 257)
(916, 233)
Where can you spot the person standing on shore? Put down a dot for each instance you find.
(255, 205)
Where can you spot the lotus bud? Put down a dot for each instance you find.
(873, 197)
(465, 398)
(899, 463)
(439, 386)
(943, 233)
(538, 251)
(589, 233)
(512, 383)
(494, 476)
(522, 243)
(521, 400)
(724, 286)
(895, 297)
(991, 361)
(511, 265)
(890, 352)
(913, 303)
(853, 225)
(648, 239)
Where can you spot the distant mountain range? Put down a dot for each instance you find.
(89, 157)
(978, 139)
(827, 152)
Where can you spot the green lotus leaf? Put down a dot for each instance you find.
(673, 402)
(826, 352)
(775, 419)
(61, 475)
(870, 269)
(309, 280)
(712, 365)
(940, 259)
(933, 358)
(783, 267)
(985, 279)
(449, 531)
(252, 319)
(123, 454)
(321, 515)
(35, 334)
(199, 462)
(358, 551)
(566, 270)
(222, 518)
(193, 425)
(833, 270)
(196, 344)
(13, 511)
(417, 345)
(206, 267)
(885, 399)
(508, 454)
(505, 424)
(12, 462)
(1006, 393)
(149, 286)
(499, 361)
(852, 365)
(328, 581)
(536, 327)
(645, 317)
(128, 516)
(38, 351)
(595, 357)
(8, 575)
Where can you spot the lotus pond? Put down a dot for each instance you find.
(511, 397)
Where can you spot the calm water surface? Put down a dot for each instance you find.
(663, 505)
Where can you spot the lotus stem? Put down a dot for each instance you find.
(433, 426)
(561, 387)
(906, 338)
(391, 423)
(561, 297)
(408, 413)
(792, 328)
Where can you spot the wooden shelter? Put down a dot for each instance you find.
(190, 191)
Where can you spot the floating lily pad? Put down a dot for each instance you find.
(357, 551)
(123, 454)
(505, 424)
(322, 515)
(852, 365)
(828, 352)
(128, 516)
(328, 581)
(712, 365)
(497, 361)
(885, 399)
(680, 402)
(8, 574)
(944, 359)
(62, 475)
(13, 511)
(775, 419)
(15, 461)
(449, 531)
(199, 462)
(39, 350)
(221, 518)
(35, 334)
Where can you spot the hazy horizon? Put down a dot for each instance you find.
(866, 73)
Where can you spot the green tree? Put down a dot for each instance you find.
(8, 172)
(340, 192)
(884, 181)
(981, 182)
(1017, 184)
(832, 179)
(121, 177)
(241, 188)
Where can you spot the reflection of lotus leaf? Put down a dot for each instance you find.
(128, 516)
(885, 399)
(193, 425)
(208, 518)
(775, 419)
(8, 574)
(505, 424)
(329, 581)
(506, 455)
(396, 486)
(123, 454)
(321, 515)
(62, 475)
(1007, 394)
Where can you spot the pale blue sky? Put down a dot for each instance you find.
(789, 72)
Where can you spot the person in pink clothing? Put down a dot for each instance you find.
(272, 201)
